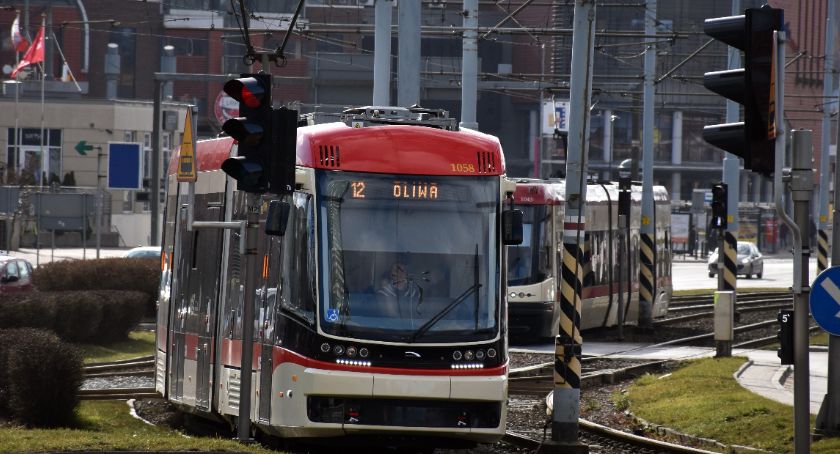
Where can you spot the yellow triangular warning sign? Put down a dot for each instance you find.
(186, 156)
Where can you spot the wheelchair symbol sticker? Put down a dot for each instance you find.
(332, 315)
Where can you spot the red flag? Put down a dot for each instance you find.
(35, 53)
(18, 41)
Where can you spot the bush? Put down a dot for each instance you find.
(142, 275)
(39, 377)
(98, 317)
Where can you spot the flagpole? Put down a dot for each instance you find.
(17, 106)
(44, 159)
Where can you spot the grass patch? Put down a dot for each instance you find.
(820, 339)
(139, 343)
(107, 426)
(703, 399)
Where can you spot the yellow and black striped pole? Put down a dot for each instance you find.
(727, 262)
(567, 348)
(646, 279)
(822, 250)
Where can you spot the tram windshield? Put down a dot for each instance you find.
(408, 258)
(530, 261)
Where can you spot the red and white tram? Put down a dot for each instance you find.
(380, 311)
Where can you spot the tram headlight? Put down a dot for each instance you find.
(456, 355)
(338, 350)
(479, 355)
(363, 352)
(325, 347)
(513, 294)
(351, 351)
(522, 294)
(469, 355)
(491, 352)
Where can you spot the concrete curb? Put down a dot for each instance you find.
(781, 376)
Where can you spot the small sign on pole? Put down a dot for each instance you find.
(187, 171)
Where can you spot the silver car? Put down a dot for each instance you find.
(749, 261)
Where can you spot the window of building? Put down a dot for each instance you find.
(31, 160)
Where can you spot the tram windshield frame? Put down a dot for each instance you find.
(409, 258)
(530, 262)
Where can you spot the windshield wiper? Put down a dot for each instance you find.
(446, 310)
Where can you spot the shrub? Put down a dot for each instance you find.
(142, 275)
(101, 316)
(121, 311)
(41, 378)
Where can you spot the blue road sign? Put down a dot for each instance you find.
(825, 300)
(125, 169)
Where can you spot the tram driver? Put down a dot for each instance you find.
(399, 295)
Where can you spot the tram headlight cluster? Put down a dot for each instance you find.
(470, 355)
(350, 352)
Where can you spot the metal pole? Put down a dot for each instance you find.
(828, 418)
(98, 200)
(251, 271)
(469, 66)
(382, 53)
(567, 353)
(728, 244)
(84, 225)
(828, 87)
(801, 189)
(408, 64)
(154, 184)
(647, 245)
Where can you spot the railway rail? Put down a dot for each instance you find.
(139, 366)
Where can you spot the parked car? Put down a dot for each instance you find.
(15, 275)
(143, 252)
(749, 261)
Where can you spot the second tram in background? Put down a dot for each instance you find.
(534, 266)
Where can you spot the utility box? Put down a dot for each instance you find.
(725, 315)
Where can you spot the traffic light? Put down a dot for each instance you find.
(753, 86)
(719, 205)
(785, 335)
(251, 130)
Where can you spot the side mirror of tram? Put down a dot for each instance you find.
(277, 218)
(512, 227)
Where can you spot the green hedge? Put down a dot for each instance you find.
(39, 378)
(142, 275)
(99, 317)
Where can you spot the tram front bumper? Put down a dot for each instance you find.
(467, 407)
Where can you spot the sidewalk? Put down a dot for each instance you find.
(761, 374)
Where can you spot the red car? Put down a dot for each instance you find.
(15, 275)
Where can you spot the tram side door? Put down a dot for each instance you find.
(179, 305)
(266, 330)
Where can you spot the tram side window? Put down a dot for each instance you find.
(297, 290)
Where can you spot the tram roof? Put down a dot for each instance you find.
(553, 192)
(413, 150)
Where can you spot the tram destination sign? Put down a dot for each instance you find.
(825, 300)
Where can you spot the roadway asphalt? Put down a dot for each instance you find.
(761, 373)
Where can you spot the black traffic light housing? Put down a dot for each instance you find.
(719, 210)
(266, 137)
(251, 130)
(753, 86)
(785, 335)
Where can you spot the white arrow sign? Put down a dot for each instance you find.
(832, 290)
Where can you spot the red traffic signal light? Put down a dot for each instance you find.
(252, 131)
(753, 139)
